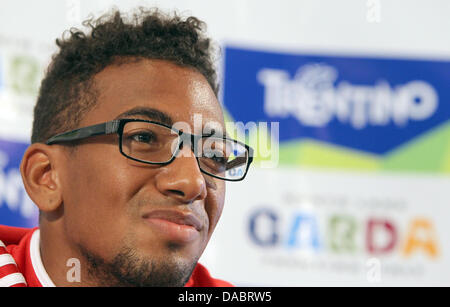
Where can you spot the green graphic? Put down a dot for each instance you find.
(24, 75)
(342, 233)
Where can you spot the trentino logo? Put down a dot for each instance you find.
(313, 98)
(370, 104)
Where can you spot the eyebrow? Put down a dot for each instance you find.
(150, 113)
(163, 118)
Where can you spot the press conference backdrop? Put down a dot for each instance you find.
(347, 104)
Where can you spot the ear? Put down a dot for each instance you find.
(40, 176)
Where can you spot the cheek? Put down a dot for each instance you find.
(214, 205)
(96, 184)
(96, 201)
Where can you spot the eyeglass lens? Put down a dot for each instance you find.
(154, 143)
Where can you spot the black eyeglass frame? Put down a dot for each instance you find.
(117, 125)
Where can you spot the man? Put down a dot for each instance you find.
(129, 186)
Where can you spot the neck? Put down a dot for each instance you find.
(65, 266)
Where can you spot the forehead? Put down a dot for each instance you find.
(181, 93)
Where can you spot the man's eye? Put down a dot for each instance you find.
(216, 156)
(143, 137)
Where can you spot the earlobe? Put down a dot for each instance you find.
(40, 176)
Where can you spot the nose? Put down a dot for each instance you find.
(182, 179)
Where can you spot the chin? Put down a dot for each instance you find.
(131, 268)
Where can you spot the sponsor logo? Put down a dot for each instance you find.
(368, 104)
(313, 98)
(342, 233)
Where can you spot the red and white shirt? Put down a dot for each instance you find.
(21, 263)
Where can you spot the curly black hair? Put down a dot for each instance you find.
(67, 91)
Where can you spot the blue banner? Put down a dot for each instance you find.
(16, 208)
(368, 104)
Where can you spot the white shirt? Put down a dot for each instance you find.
(36, 261)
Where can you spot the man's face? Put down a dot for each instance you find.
(116, 210)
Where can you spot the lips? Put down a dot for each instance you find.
(176, 217)
(174, 225)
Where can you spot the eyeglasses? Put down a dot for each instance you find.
(155, 143)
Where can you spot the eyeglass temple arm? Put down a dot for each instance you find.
(236, 162)
(241, 160)
(85, 132)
